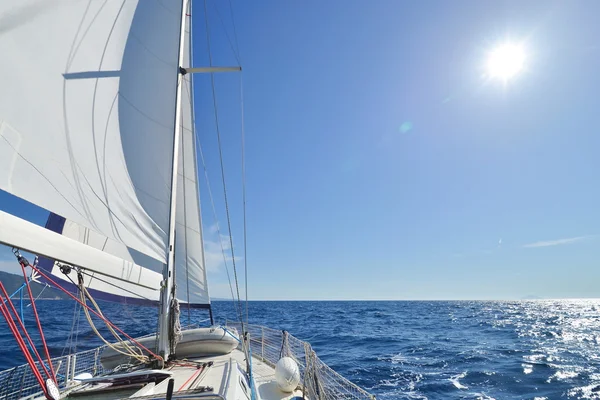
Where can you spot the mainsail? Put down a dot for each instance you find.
(87, 112)
(100, 79)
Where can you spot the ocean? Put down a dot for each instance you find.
(533, 349)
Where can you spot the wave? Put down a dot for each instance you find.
(409, 350)
(455, 381)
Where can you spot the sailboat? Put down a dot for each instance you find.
(97, 127)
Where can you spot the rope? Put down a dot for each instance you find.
(22, 312)
(83, 294)
(13, 328)
(231, 334)
(38, 296)
(21, 302)
(129, 351)
(21, 305)
(69, 340)
(212, 203)
(108, 322)
(16, 291)
(11, 307)
(22, 261)
(175, 335)
(113, 285)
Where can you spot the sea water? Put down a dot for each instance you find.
(534, 349)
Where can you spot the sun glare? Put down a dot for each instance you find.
(506, 61)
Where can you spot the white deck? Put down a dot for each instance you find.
(225, 376)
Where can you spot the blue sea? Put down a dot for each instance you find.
(534, 349)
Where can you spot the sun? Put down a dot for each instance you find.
(506, 61)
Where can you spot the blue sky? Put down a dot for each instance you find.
(382, 162)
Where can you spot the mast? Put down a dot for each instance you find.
(168, 287)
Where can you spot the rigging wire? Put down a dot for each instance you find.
(243, 135)
(83, 294)
(243, 140)
(37, 297)
(7, 307)
(235, 35)
(245, 342)
(189, 79)
(113, 285)
(99, 315)
(22, 261)
(69, 341)
(21, 302)
(216, 113)
(129, 351)
(209, 190)
(214, 210)
(235, 50)
(10, 321)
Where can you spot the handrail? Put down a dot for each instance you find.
(318, 381)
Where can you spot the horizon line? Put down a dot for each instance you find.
(498, 299)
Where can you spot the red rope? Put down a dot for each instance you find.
(97, 314)
(195, 374)
(22, 325)
(39, 324)
(21, 343)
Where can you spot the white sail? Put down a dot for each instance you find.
(190, 271)
(189, 259)
(87, 112)
(127, 277)
(108, 283)
(114, 282)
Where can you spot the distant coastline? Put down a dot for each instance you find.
(13, 282)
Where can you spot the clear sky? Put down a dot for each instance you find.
(383, 162)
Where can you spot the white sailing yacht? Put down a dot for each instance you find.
(97, 127)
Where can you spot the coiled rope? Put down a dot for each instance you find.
(121, 347)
